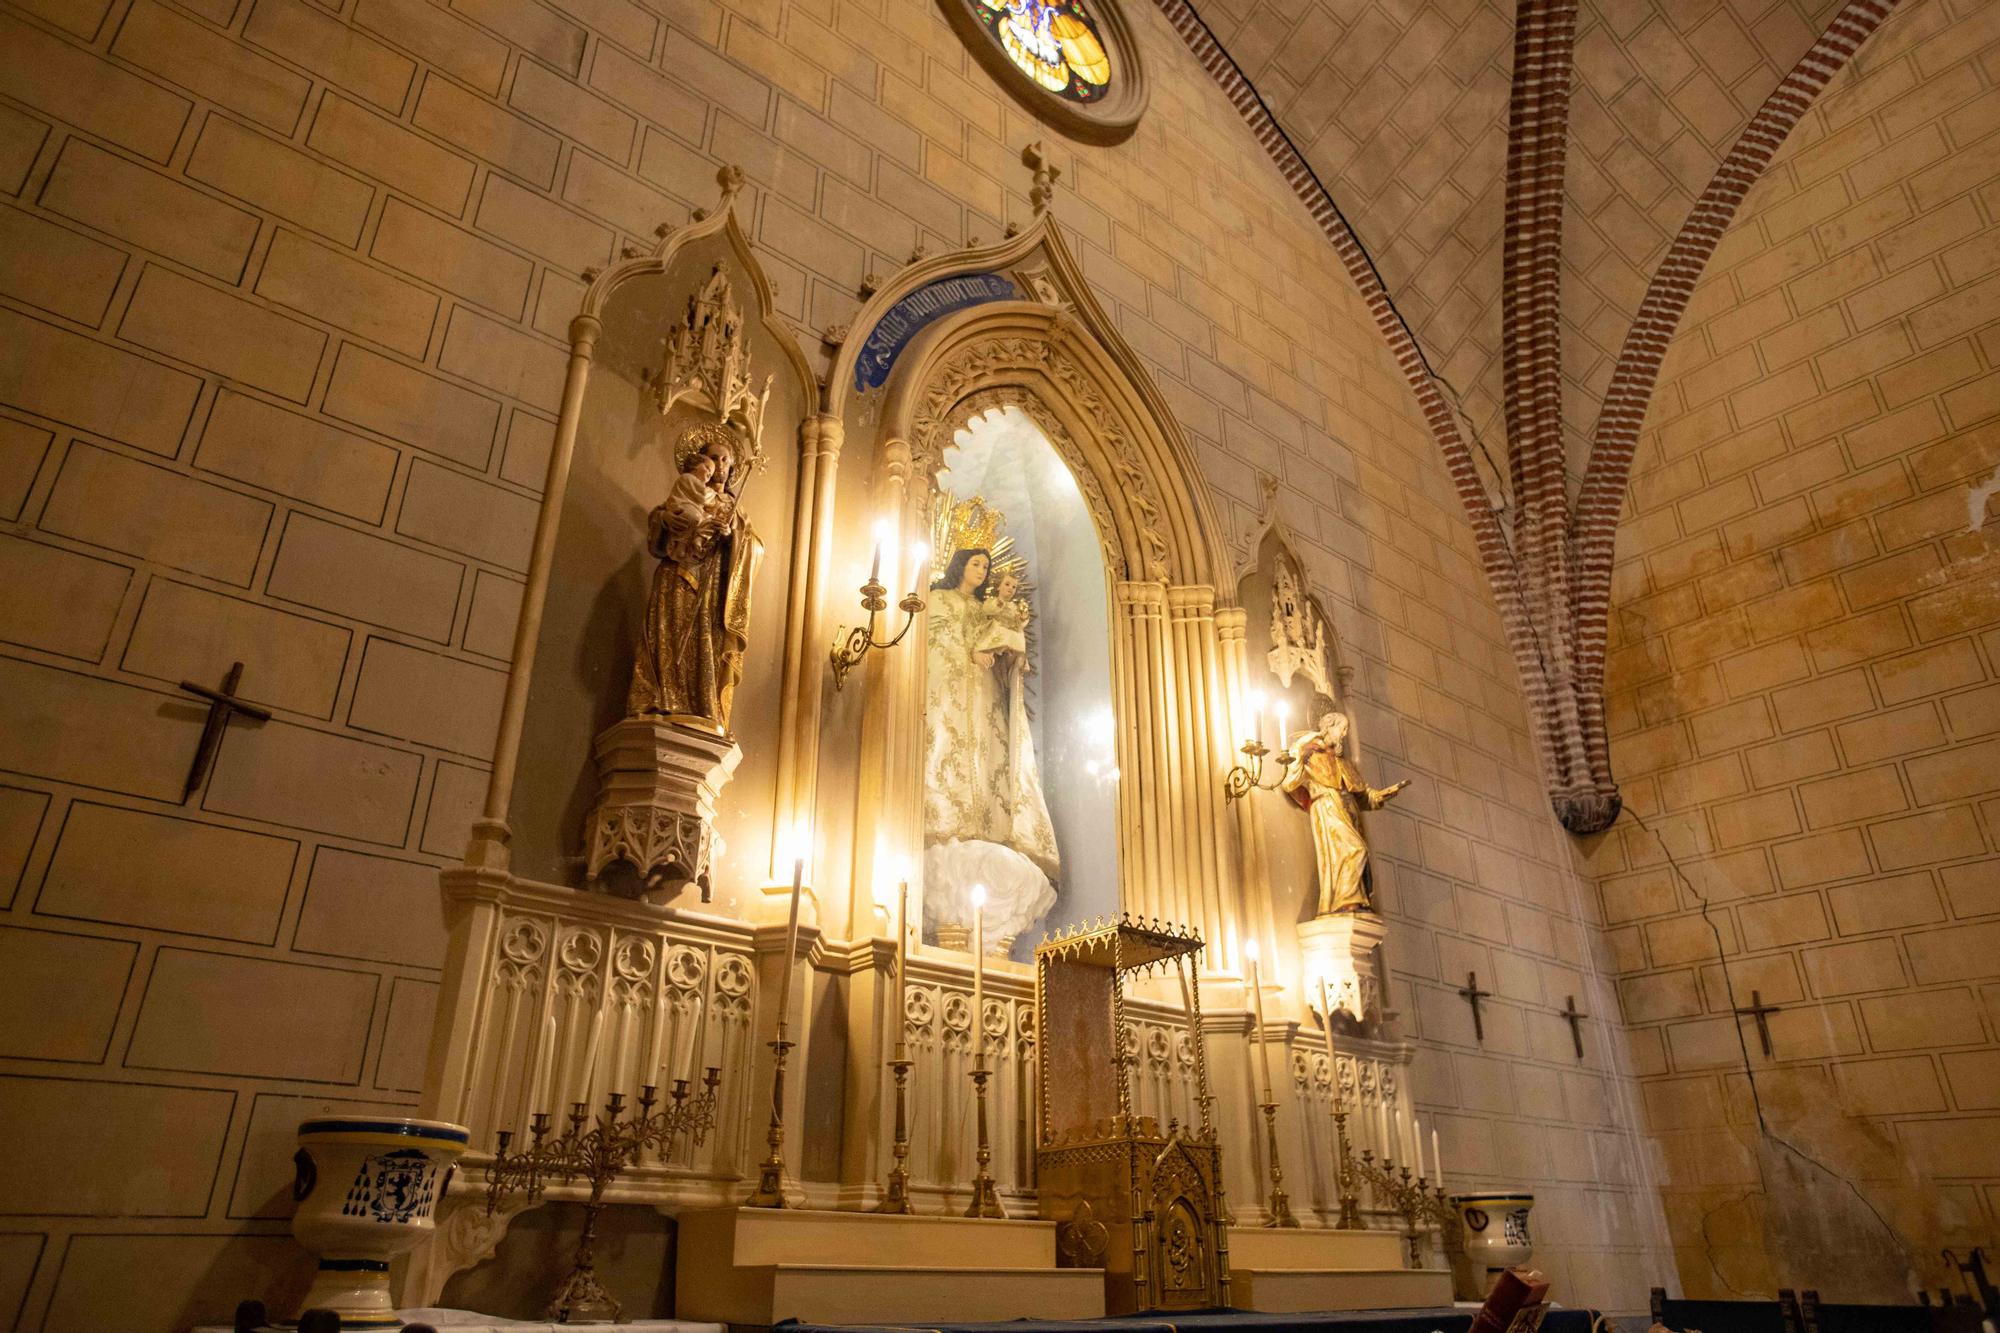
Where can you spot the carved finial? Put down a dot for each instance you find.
(590, 274)
(730, 178)
(1013, 230)
(974, 242)
(835, 334)
(871, 283)
(1043, 192)
(1270, 485)
(699, 215)
(628, 252)
(662, 230)
(918, 255)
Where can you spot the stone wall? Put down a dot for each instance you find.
(281, 293)
(1805, 657)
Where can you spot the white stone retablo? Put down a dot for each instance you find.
(657, 784)
(1342, 950)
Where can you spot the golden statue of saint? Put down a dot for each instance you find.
(698, 615)
(1329, 789)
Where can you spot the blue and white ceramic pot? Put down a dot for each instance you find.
(1494, 1236)
(367, 1190)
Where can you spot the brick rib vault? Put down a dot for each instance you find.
(1551, 573)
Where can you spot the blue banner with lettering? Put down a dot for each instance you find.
(906, 318)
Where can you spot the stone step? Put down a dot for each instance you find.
(1321, 1248)
(1293, 1290)
(884, 1293)
(747, 1237)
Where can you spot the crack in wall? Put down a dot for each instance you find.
(1764, 1129)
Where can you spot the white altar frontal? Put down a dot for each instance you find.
(738, 988)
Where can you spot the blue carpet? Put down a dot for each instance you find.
(1442, 1320)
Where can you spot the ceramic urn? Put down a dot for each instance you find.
(367, 1190)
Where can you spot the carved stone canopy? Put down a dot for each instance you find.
(707, 363)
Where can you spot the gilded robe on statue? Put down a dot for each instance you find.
(986, 819)
(697, 619)
(1323, 783)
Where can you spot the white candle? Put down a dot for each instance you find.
(791, 948)
(545, 1054)
(1284, 712)
(1257, 1001)
(1417, 1142)
(902, 970)
(979, 972)
(589, 1071)
(659, 1030)
(1382, 1128)
(1437, 1159)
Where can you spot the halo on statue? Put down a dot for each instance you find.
(969, 525)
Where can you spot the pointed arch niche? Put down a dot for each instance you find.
(1013, 331)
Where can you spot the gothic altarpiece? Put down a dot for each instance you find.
(672, 744)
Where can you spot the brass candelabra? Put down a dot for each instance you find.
(1241, 780)
(851, 645)
(598, 1151)
(1410, 1194)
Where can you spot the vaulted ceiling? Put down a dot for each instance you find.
(1401, 109)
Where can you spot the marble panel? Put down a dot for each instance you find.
(289, 661)
(427, 698)
(61, 993)
(296, 777)
(181, 1281)
(407, 1039)
(21, 814)
(457, 794)
(215, 1013)
(136, 868)
(59, 601)
(95, 733)
(154, 1149)
(373, 907)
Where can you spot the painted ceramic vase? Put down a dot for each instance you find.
(367, 1190)
(1493, 1232)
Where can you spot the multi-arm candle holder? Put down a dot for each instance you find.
(851, 645)
(1240, 781)
(598, 1153)
(1420, 1204)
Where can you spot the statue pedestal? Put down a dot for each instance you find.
(1342, 950)
(657, 782)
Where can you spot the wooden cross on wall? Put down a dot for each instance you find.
(1574, 1017)
(1761, 1012)
(1473, 995)
(222, 705)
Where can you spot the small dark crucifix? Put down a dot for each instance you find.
(1760, 1011)
(1574, 1017)
(1473, 995)
(222, 705)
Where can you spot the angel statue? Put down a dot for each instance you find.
(1323, 783)
(697, 622)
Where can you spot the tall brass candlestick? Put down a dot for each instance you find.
(896, 1198)
(770, 1191)
(1279, 1206)
(985, 1199)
